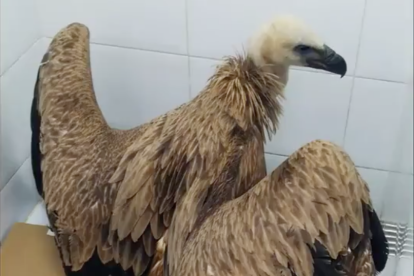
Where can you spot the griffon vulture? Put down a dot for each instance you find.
(111, 194)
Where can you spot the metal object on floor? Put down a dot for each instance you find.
(400, 239)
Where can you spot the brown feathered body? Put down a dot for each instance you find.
(311, 216)
(114, 192)
(199, 171)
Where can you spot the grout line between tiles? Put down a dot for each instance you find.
(277, 154)
(138, 49)
(219, 59)
(11, 177)
(361, 31)
(397, 262)
(361, 167)
(348, 112)
(383, 170)
(20, 57)
(354, 73)
(34, 208)
(188, 49)
(383, 80)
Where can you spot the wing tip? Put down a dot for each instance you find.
(75, 27)
(70, 35)
(379, 242)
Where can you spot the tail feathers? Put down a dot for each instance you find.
(379, 242)
(157, 269)
(323, 264)
(94, 266)
(323, 268)
(165, 263)
(157, 266)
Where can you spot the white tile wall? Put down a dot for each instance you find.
(391, 266)
(377, 182)
(403, 160)
(137, 85)
(18, 198)
(200, 70)
(134, 86)
(19, 58)
(157, 25)
(137, 79)
(369, 117)
(218, 27)
(374, 122)
(16, 98)
(38, 215)
(387, 40)
(19, 29)
(398, 199)
(18, 193)
(316, 107)
(405, 267)
(273, 161)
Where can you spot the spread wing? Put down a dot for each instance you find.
(70, 157)
(313, 213)
(79, 152)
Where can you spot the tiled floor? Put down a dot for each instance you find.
(38, 215)
(405, 267)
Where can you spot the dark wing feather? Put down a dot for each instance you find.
(35, 123)
(323, 264)
(379, 242)
(296, 221)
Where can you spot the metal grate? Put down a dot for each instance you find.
(400, 239)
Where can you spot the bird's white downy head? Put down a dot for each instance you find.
(287, 40)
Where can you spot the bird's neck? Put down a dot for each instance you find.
(248, 93)
(282, 71)
(279, 69)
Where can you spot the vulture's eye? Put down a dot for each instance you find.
(303, 49)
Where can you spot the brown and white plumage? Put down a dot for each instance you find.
(157, 265)
(311, 216)
(172, 165)
(118, 191)
(79, 153)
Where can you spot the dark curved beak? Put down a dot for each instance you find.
(328, 60)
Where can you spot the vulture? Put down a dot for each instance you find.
(112, 194)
